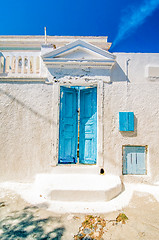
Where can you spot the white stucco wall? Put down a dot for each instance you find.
(139, 95)
(29, 115)
(26, 117)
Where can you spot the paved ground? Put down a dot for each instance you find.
(20, 220)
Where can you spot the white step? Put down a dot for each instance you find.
(78, 187)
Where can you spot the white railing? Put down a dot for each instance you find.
(20, 66)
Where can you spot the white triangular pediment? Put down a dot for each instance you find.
(79, 51)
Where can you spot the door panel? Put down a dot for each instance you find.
(88, 126)
(68, 125)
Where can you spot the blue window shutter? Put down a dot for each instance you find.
(123, 121)
(88, 126)
(126, 121)
(130, 121)
(68, 125)
(134, 160)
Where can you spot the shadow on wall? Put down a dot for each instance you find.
(13, 98)
(131, 134)
(118, 75)
(25, 224)
(79, 72)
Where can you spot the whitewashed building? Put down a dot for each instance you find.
(70, 107)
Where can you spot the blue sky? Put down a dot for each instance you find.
(133, 26)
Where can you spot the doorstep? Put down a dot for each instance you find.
(78, 187)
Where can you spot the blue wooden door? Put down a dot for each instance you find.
(88, 126)
(134, 160)
(68, 125)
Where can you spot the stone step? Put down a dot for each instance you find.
(78, 187)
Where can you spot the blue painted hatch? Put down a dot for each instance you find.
(126, 121)
(134, 160)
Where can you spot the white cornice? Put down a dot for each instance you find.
(22, 79)
(78, 64)
(58, 41)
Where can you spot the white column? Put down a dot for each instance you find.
(16, 64)
(28, 72)
(22, 70)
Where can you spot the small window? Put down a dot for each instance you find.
(134, 160)
(1, 64)
(19, 65)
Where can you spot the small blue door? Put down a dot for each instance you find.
(88, 126)
(68, 125)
